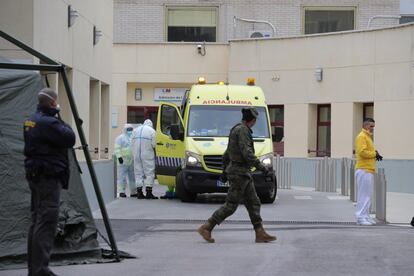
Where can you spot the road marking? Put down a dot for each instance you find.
(303, 197)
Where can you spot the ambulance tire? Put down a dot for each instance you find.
(182, 192)
(270, 195)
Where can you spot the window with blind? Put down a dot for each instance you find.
(328, 19)
(324, 130)
(192, 24)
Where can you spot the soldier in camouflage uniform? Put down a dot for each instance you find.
(238, 160)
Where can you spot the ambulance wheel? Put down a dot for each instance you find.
(270, 195)
(182, 192)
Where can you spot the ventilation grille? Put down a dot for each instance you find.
(214, 161)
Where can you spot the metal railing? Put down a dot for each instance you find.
(330, 174)
(325, 175)
(283, 168)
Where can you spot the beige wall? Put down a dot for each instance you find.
(43, 25)
(21, 10)
(358, 67)
(296, 142)
(158, 65)
(369, 66)
(342, 130)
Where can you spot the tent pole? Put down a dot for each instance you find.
(31, 67)
(28, 49)
(88, 158)
(50, 66)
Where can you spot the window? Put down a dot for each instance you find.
(138, 114)
(368, 111)
(276, 114)
(169, 116)
(192, 24)
(328, 19)
(406, 19)
(94, 117)
(324, 131)
(217, 121)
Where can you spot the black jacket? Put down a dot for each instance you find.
(47, 140)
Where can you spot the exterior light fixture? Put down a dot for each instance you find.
(319, 74)
(72, 14)
(96, 35)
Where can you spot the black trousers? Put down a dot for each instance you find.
(45, 212)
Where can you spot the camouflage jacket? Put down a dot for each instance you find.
(239, 156)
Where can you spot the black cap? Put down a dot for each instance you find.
(249, 114)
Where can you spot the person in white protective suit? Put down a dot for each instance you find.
(125, 162)
(143, 145)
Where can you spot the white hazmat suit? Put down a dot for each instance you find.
(143, 145)
(126, 168)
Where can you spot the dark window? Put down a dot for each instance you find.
(406, 19)
(324, 21)
(324, 131)
(207, 34)
(276, 114)
(169, 116)
(138, 114)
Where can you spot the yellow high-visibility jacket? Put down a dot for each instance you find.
(365, 151)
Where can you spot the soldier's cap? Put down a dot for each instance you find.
(249, 113)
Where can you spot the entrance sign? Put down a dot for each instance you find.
(174, 95)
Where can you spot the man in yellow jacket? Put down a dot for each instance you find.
(365, 167)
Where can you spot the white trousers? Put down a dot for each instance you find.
(126, 175)
(144, 172)
(365, 188)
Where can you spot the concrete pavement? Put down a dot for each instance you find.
(316, 236)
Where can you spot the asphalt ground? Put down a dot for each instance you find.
(316, 234)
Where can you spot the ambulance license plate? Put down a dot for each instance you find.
(222, 184)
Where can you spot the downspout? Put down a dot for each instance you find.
(235, 18)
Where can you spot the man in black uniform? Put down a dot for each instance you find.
(47, 140)
(238, 160)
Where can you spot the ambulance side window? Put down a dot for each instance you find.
(169, 116)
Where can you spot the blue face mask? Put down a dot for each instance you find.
(129, 133)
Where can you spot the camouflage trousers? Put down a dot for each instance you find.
(241, 189)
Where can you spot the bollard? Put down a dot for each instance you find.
(381, 196)
(115, 176)
(352, 182)
(317, 176)
(343, 169)
(372, 208)
(290, 175)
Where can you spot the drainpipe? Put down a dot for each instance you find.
(381, 16)
(235, 18)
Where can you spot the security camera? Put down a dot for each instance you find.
(201, 49)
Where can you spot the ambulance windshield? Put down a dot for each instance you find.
(217, 120)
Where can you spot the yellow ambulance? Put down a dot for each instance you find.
(192, 137)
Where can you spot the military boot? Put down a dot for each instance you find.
(140, 194)
(149, 194)
(262, 236)
(205, 230)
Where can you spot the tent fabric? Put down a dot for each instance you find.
(77, 234)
